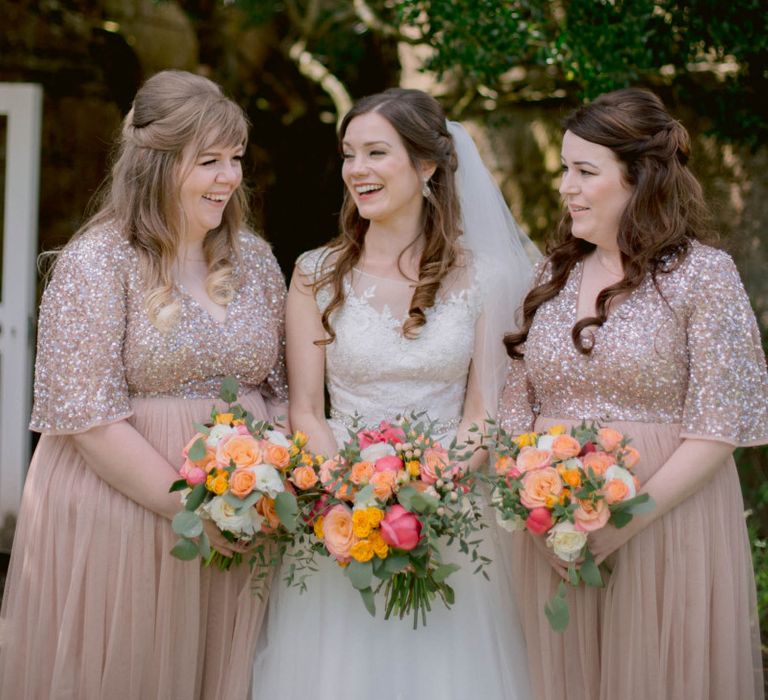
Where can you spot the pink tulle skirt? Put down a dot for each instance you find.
(678, 616)
(96, 607)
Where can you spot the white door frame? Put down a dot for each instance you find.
(22, 104)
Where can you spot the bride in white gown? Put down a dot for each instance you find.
(412, 313)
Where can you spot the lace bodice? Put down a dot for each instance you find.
(373, 371)
(687, 352)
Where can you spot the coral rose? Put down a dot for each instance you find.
(265, 507)
(565, 447)
(361, 473)
(598, 462)
(390, 463)
(540, 485)
(539, 521)
(531, 458)
(609, 439)
(434, 464)
(400, 529)
(504, 464)
(589, 517)
(304, 477)
(242, 482)
(629, 456)
(277, 455)
(383, 484)
(242, 450)
(337, 532)
(615, 490)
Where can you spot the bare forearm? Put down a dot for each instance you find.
(121, 456)
(321, 438)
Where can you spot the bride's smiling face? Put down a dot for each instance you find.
(378, 171)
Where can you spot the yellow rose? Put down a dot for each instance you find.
(300, 438)
(362, 551)
(225, 418)
(526, 439)
(375, 516)
(293, 450)
(319, 528)
(380, 547)
(361, 525)
(220, 484)
(413, 468)
(556, 430)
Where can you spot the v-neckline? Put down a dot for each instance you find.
(185, 292)
(578, 274)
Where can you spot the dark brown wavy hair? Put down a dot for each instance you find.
(420, 122)
(665, 212)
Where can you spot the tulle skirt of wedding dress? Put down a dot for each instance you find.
(323, 643)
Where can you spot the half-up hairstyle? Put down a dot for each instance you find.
(175, 116)
(420, 122)
(665, 211)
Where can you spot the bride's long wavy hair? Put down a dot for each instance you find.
(175, 116)
(420, 122)
(666, 209)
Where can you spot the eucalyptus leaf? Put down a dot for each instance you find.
(395, 563)
(360, 574)
(185, 549)
(196, 497)
(200, 428)
(197, 451)
(187, 524)
(287, 510)
(423, 503)
(368, 600)
(444, 571)
(590, 573)
(620, 518)
(640, 504)
(556, 610)
(204, 546)
(228, 392)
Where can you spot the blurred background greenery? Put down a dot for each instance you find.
(509, 69)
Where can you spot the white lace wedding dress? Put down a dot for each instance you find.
(323, 644)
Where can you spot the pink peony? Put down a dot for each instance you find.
(390, 463)
(193, 474)
(400, 529)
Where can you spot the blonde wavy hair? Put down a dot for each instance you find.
(175, 116)
(420, 122)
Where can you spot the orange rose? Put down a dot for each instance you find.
(361, 473)
(243, 450)
(224, 418)
(217, 482)
(591, 516)
(337, 531)
(383, 484)
(565, 447)
(609, 439)
(598, 462)
(615, 490)
(570, 477)
(265, 507)
(345, 493)
(539, 485)
(241, 482)
(629, 456)
(531, 458)
(304, 477)
(276, 455)
(504, 464)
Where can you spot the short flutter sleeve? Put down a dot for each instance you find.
(313, 265)
(516, 414)
(727, 397)
(79, 375)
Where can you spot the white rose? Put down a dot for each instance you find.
(566, 541)
(545, 442)
(573, 463)
(268, 479)
(277, 438)
(513, 524)
(245, 525)
(375, 451)
(617, 472)
(218, 432)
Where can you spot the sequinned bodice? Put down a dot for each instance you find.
(686, 352)
(374, 371)
(98, 348)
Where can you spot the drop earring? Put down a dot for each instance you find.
(425, 191)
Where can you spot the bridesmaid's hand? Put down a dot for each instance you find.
(221, 543)
(605, 541)
(560, 567)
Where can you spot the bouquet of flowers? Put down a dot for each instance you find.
(565, 485)
(390, 496)
(235, 473)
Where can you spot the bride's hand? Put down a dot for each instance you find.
(221, 543)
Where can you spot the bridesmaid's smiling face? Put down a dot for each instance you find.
(595, 189)
(378, 171)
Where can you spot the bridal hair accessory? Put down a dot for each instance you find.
(503, 258)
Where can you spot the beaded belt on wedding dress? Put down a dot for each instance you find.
(349, 421)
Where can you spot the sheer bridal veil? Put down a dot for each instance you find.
(503, 258)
